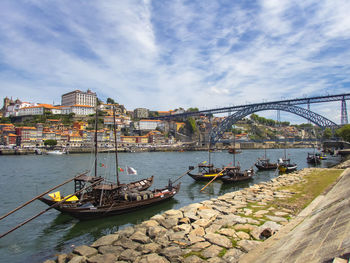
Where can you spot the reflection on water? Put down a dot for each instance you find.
(23, 177)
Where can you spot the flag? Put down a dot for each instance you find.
(130, 170)
(102, 165)
(120, 169)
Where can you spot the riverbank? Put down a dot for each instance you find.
(160, 148)
(222, 229)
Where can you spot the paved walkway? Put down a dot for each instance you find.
(319, 233)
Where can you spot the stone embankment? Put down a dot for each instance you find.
(218, 230)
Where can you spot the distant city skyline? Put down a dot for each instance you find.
(163, 55)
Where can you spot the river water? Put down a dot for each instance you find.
(24, 177)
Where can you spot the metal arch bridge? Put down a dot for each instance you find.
(313, 117)
(298, 101)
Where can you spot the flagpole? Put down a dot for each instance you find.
(116, 147)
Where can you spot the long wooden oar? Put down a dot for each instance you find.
(185, 173)
(47, 209)
(213, 179)
(35, 198)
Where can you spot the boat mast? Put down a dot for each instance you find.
(95, 139)
(116, 147)
(234, 146)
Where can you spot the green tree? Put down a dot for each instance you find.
(191, 125)
(327, 133)
(344, 132)
(50, 143)
(192, 109)
(110, 101)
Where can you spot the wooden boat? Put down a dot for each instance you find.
(264, 164)
(234, 150)
(284, 166)
(206, 172)
(234, 174)
(116, 201)
(312, 158)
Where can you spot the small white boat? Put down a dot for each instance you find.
(56, 152)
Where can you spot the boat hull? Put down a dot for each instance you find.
(203, 177)
(117, 208)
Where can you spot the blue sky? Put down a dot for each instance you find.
(168, 54)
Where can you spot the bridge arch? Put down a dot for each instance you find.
(313, 117)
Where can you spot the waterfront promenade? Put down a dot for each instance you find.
(233, 227)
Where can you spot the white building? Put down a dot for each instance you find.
(78, 97)
(40, 109)
(148, 125)
(81, 110)
(13, 109)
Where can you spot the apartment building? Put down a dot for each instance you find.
(78, 97)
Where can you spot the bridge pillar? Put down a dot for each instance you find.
(344, 112)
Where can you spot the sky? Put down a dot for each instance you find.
(164, 54)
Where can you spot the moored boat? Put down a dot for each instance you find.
(116, 201)
(285, 166)
(312, 158)
(234, 174)
(206, 172)
(265, 164)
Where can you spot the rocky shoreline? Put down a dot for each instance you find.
(217, 230)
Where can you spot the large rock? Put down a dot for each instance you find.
(85, 251)
(219, 240)
(195, 239)
(168, 223)
(193, 259)
(77, 259)
(199, 246)
(129, 255)
(242, 235)
(172, 253)
(173, 214)
(201, 223)
(232, 255)
(207, 213)
(62, 258)
(177, 236)
(106, 240)
(156, 231)
(153, 258)
(191, 215)
(211, 251)
(227, 232)
(183, 228)
(150, 223)
(106, 258)
(126, 232)
(247, 245)
(110, 250)
(140, 238)
(212, 228)
(150, 248)
(216, 260)
(127, 243)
